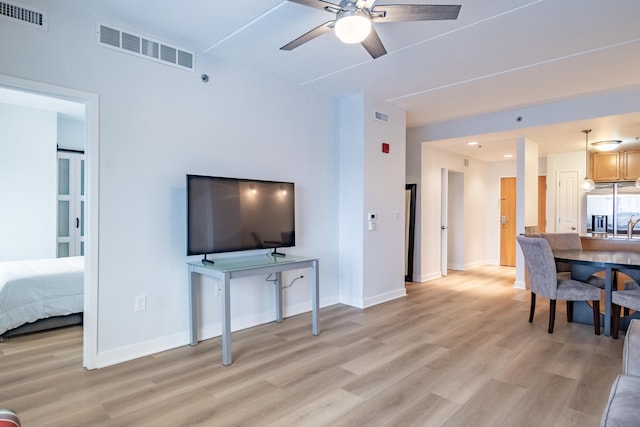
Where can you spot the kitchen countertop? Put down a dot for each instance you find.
(622, 237)
(610, 243)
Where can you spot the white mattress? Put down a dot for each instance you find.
(37, 289)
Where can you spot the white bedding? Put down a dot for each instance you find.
(37, 289)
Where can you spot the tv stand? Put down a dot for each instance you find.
(275, 253)
(207, 261)
(226, 269)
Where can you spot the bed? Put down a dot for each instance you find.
(40, 294)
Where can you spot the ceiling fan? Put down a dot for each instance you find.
(354, 19)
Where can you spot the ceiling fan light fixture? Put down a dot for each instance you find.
(606, 145)
(352, 26)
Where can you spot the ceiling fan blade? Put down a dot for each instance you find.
(318, 4)
(365, 4)
(414, 12)
(374, 45)
(318, 31)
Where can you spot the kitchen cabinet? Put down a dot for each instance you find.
(615, 166)
(630, 165)
(605, 166)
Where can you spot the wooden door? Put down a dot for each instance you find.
(508, 221)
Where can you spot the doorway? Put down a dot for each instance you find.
(508, 217)
(89, 103)
(567, 202)
(508, 221)
(409, 230)
(452, 221)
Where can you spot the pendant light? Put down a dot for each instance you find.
(588, 184)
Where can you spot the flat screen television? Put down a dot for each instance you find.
(233, 214)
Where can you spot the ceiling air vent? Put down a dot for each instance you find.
(144, 47)
(28, 16)
(380, 117)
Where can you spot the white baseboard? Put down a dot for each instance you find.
(147, 348)
(426, 277)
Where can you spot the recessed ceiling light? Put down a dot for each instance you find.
(472, 143)
(508, 156)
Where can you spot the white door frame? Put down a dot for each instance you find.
(444, 215)
(91, 103)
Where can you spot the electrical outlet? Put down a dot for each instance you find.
(141, 303)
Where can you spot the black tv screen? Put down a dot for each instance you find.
(231, 214)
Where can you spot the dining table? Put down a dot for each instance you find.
(586, 262)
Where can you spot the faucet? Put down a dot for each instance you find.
(630, 226)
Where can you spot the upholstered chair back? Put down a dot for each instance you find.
(541, 266)
(563, 241)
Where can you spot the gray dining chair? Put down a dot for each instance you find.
(544, 281)
(629, 299)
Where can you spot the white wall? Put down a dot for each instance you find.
(384, 190)
(158, 123)
(351, 199)
(71, 133)
(371, 261)
(28, 172)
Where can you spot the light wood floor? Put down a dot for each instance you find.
(457, 351)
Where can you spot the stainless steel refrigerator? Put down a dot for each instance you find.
(611, 206)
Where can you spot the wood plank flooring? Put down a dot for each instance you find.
(457, 351)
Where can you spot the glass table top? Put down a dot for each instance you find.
(248, 262)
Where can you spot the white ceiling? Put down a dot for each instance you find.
(498, 55)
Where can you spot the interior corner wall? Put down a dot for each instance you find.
(351, 201)
(413, 172)
(371, 182)
(526, 197)
(28, 178)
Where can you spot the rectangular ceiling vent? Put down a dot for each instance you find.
(28, 16)
(380, 117)
(144, 47)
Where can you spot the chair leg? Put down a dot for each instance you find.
(596, 316)
(569, 311)
(615, 324)
(533, 307)
(552, 315)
